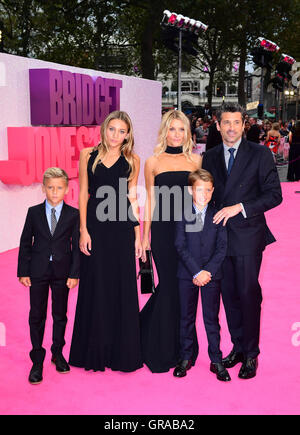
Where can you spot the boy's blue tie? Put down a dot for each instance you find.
(231, 160)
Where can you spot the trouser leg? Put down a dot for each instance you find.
(39, 291)
(210, 297)
(60, 294)
(188, 294)
(242, 297)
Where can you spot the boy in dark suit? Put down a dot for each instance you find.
(49, 256)
(201, 246)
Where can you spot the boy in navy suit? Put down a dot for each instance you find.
(49, 256)
(201, 246)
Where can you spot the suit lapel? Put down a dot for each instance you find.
(60, 223)
(220, 163)
(61, 220)
(208, 221)
(241, 161)
(44, 221)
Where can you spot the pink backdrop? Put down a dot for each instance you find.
(140, 98)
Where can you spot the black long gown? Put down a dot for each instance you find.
(106, 329)
(160, 315)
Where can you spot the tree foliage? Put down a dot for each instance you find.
(124, 36)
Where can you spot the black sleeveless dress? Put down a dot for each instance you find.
(106, 329)
(160, 315)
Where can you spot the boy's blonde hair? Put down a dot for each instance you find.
(55, 173)
(200, 174)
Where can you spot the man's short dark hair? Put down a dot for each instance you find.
(231, 107)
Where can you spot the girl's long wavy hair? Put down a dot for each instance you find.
(166, 121)
(126, 147)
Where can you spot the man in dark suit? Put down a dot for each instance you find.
(254, 131)
(214, 137)
(246, 186)
(205, 111)
(201, 247)
(49, 256)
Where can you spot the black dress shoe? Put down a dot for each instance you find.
(248, 369)
(181, 368)
(36, 374)
(61, 364)
(220, 371)
(232, 359)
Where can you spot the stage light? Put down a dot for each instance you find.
(199, 26)
(180, 33)
(187, 23)
(166, 16)
(180, 20)
(284, 67)
(287, 59)
(267, 45)
(173, 19)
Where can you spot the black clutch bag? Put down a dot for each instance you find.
(146, 274)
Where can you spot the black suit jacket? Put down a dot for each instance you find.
(254, 182)
(202, 113)
(253, 133)
(37, 244)
(199, 250)
(214, 137)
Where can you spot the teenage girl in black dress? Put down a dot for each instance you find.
(106, 330)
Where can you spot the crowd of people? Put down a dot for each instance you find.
(283, 138)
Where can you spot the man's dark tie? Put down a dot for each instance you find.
(53, 221)
(231, 160)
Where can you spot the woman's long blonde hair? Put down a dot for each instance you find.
(127, 146)
(167, 118)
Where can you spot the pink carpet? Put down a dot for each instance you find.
(275, 390)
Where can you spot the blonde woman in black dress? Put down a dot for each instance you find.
(170, 166)
(106, 330)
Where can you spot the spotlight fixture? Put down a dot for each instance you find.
(180, 33)
(267, 45)
(181, 22)
(287, 59)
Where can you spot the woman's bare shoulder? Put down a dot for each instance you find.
(136, 157)
(151, 161)
(86, 151)
(197, 159)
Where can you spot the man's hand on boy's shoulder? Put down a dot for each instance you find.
(226, 213)
(72, 282)
(202, 279)
(25, 280)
